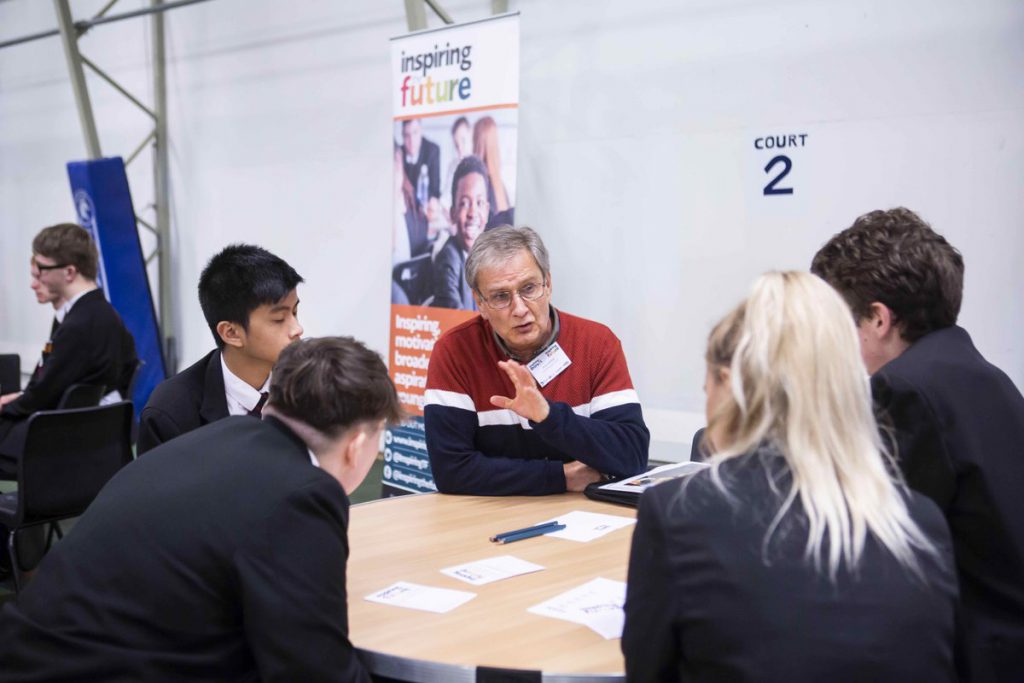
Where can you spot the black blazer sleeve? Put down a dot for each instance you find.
(916, 438)
(292, 583)
(68, 361)
(649, 640)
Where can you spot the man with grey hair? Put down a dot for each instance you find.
(524, 399)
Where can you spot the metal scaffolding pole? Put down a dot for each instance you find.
(415, 15)
(101, 18)
(69, 37)
(161, 191)
(70, 32)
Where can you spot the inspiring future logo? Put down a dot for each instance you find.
(419, 87)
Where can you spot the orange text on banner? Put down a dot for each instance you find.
(414, 331)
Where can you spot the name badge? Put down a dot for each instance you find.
(549, 364)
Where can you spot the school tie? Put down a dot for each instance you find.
(257, 411)
(47, 350)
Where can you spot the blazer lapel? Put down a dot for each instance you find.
(215, 402)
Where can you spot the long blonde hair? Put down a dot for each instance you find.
(797, 383)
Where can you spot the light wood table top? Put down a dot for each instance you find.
(412, 538)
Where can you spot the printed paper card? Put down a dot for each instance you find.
(586, 526)
(596, 604)
(493, 569)
(415, 596)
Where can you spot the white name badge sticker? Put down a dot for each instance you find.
(549, 364)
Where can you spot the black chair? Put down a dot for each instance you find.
(136, 372)
(10, 373)
(698, 449)
(81, 396)
(69, 456)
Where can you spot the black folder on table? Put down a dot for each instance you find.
(627, 491)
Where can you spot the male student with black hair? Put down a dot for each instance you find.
(250, 302)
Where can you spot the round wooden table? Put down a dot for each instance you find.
(411, 538)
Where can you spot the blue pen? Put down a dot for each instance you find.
(530, 534)
(495, 538)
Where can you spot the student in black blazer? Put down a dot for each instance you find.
(957, 420)
(796, 556)
(221, 555)
(250, 302)
(88, 343)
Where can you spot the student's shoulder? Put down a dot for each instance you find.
(715, 497)
(88, 313)
(187, 385)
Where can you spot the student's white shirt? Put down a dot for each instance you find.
(241, 397)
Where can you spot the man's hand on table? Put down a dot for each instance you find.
(578, 476)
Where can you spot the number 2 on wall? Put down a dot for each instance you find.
(787, 166)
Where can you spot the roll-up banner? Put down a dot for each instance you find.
(104, 206)
(455, 94)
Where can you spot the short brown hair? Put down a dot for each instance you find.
(332, 384)
(895, 258)
(69, 245)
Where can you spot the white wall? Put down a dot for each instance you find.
(636, 158)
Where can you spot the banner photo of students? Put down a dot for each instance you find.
(455, 94)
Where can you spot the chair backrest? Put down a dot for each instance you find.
(69, 456)
(10, 373)
(136, 371)
(81, 396)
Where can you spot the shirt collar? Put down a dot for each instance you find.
(552, 338)
(63, 310)
(313, 459)
(241, 398)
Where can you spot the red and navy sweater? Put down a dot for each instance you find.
(476, 448)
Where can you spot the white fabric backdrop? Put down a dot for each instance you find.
(636, 156)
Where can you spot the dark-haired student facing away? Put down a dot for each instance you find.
(220, 556)
(958, 419)
(250, 302)
(796, 556)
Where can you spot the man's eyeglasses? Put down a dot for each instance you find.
(43, 268)
(531, 291)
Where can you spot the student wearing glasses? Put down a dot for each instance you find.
(88, 343)
(524, 399)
